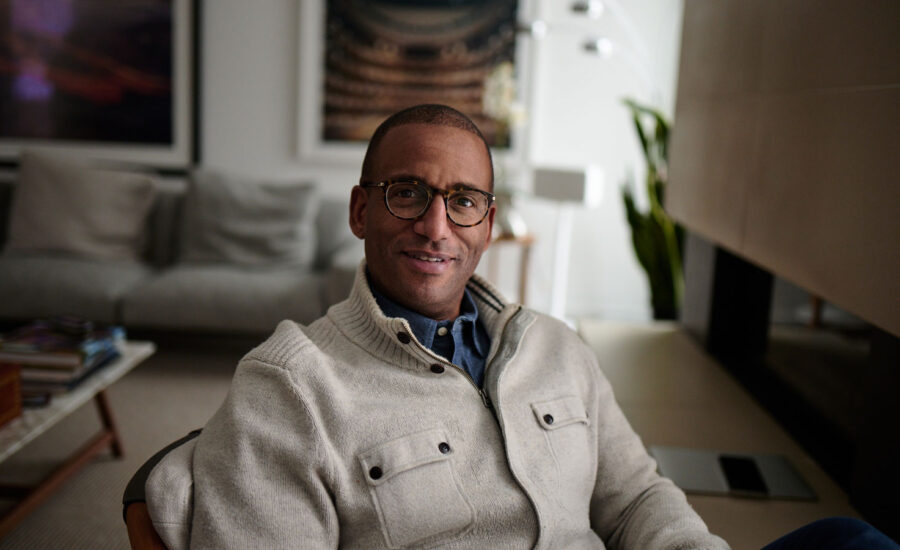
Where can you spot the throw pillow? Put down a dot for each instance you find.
(61, 205)
(228, 219)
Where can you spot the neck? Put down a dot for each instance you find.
(434, 314)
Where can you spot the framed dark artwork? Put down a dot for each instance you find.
(109, 80)
(363, 60)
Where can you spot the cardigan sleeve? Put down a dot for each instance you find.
(261, 473)
(632, 505)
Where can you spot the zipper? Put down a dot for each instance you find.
(498, 417)
(485, 398)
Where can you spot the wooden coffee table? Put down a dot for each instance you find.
(34, 422)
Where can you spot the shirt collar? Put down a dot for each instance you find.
(468, 317)
(424, 328)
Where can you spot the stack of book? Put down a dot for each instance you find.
(56, 355)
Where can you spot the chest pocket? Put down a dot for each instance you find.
(416, 491)
(559, 413)
(564, 424)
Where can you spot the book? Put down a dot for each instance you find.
(36, 399)
(38, 385)
(55, 344)
(55, 375)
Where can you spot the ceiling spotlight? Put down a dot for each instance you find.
(591, 8)
(602, 46)
(536, 28)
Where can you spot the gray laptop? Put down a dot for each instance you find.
(744, 475)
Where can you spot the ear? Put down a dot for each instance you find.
(359, 200)
(490, 223)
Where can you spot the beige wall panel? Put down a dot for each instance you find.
(812, 44)
(712, 166)
(825, 212)
(785, 143)
(721, 40)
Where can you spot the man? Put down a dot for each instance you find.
(425, 411)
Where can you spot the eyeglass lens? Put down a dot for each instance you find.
(409, 200)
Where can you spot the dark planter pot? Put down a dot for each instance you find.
(665, 314)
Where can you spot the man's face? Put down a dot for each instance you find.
(423, 264)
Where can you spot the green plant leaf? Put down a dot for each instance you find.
(638, 127)
(657, 240)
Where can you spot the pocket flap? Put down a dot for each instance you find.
(557, 413)
(389, 459)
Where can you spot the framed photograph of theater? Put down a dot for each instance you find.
(362, 60)
(107, 80)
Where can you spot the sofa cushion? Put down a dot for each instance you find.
(227, 219)
(224, 298)
(62, 206)
(163, 223)
(41, 287)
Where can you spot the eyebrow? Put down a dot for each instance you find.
(411, 177)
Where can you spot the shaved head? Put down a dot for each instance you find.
(431, 114)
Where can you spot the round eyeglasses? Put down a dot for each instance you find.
(408, 200)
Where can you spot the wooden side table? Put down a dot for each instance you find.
(524, 242)
(34, 422)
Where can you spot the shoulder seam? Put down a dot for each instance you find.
(303, 401)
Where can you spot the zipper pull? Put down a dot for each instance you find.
(485, 399)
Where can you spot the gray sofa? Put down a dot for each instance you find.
(227, 270)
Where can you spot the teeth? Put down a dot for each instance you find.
(428, 259)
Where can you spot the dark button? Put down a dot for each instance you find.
(444, 447)
(403, 337)
(375, 472)
(437, 369)
(548, 418)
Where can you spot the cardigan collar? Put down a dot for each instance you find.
(392, 339)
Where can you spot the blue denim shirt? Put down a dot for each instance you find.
(463, 341)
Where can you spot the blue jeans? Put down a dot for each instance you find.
(835, 534)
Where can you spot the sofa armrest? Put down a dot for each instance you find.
(348, 256)
(337, 283)
(135, 491)
(336, 245)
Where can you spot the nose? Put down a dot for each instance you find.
(434, 224)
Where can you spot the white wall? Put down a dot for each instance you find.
(249, 117)
(578, 119)
(249, 104)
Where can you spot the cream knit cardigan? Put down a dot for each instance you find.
(350, 434)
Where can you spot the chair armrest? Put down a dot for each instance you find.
(134, 492)
(141, 534)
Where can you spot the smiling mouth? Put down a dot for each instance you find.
(428, 258)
